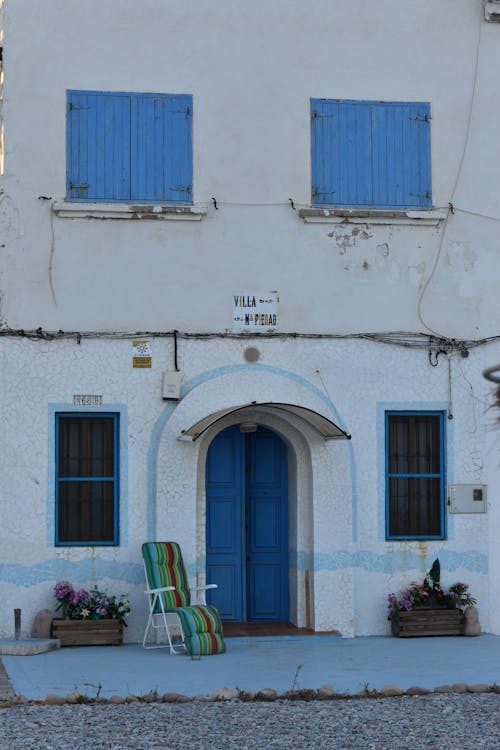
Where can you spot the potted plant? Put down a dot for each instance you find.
(89, 618)
(426, 608)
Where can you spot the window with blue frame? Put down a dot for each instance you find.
(415, 480)
(129, 147)
(371, 154)
(87, 478)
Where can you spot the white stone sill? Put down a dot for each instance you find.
(492, 11)
(68, 210)
(369, 216)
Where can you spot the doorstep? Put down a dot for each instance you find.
(267, 629)
(27, 646)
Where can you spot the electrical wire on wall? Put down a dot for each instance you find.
(51, 256)
(451, 208)
(450, 393)
(52, 244)
(431, 276)
(474, 399)
(435, 346)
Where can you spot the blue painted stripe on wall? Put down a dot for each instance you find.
(395, 562)
(96, 569)
(152, 469)
(90, 570)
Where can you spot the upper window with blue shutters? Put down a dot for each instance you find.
(130, 148)
(371, 154)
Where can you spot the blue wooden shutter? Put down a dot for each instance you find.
(161, 148)
(129, 147)
(371, 154)
(98, 146)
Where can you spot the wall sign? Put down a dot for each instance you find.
(142, 354)
(255, 312)
(86, 399)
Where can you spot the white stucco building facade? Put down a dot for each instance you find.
(386, 307)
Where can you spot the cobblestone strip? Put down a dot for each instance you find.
(6, 691)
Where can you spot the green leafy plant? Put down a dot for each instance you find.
(430, 593)
(89, 605)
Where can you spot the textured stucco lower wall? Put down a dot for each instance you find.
(341, 567)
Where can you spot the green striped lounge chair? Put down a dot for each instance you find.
(192, 628)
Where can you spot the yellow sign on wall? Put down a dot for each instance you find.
(142, 354)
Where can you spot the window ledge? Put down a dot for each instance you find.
(370, 216)
(492, 10)
(68, 210)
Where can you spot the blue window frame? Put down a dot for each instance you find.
(415, 475)
(87, 466)
(371, 154)
(129, 147)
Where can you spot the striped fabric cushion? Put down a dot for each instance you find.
(165, 567)
(202, 629)
(201, 625)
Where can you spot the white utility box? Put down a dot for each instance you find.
(171, 390)
(467, 498)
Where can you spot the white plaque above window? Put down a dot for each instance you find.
(86, 399)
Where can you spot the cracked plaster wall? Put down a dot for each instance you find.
(343, 278)
(369, 276)
(337, 499)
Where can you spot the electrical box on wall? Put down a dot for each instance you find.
(467, 498)
(171, 386)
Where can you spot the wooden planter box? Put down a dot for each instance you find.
(426, 622)
(88, 632)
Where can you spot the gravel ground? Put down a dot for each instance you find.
(431, 722)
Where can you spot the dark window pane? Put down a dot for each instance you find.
(101, 448)
(414, 445)
(398, 445)
(414, 502)
(86, 447)
(414, 506)
(86, 450)
(86, 511)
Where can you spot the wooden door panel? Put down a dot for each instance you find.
(228, 594)
(267, 528)
(265, 525)
(264, 592)
(224, 530)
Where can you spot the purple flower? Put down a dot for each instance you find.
(77, 597)
(62, 589)
(93, 603)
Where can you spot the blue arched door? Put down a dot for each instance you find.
(247, 525)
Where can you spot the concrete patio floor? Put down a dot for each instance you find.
(282, 663)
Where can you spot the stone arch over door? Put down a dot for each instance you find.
(321, 485)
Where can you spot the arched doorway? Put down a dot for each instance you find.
(247, 525)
